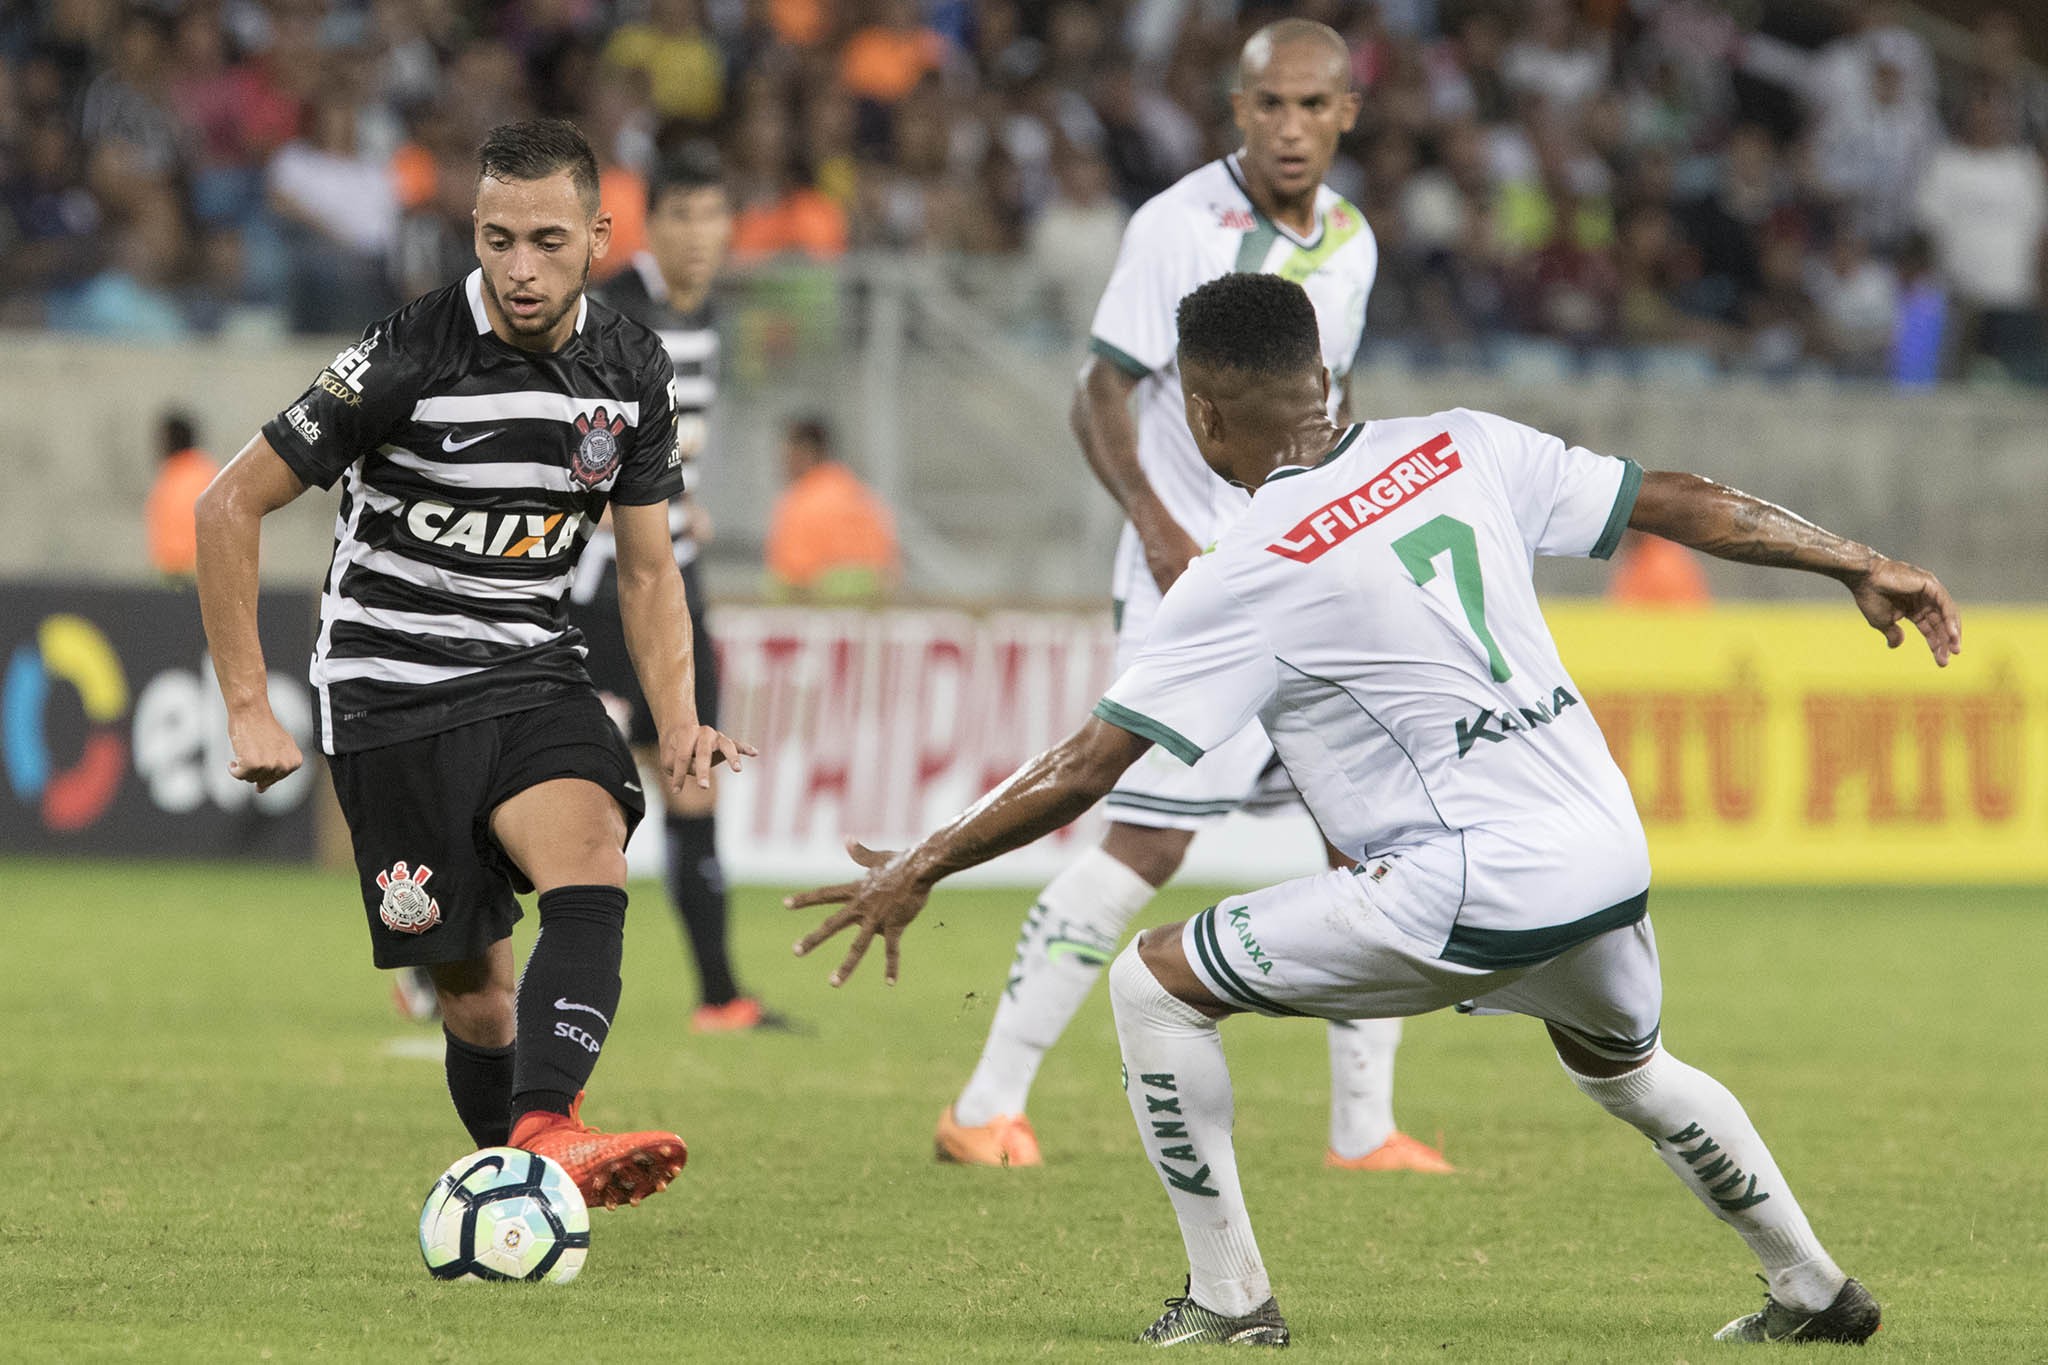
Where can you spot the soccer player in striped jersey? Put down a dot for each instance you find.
(478, 435)
(1375, 611)
(1263, 208)
(668, 288)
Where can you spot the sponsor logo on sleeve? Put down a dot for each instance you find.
(302, 422)
(347, 369)
(1337, 520)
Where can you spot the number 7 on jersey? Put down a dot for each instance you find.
(1419, 549)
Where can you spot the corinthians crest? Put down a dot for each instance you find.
(597, 454)
(407, 908)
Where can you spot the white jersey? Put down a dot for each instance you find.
(1378, 615)
(1201, 228)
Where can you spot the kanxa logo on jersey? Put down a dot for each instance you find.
(1337, 520)
(407, 908)
(496, 535)
(597, 454)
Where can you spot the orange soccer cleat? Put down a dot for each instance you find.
(1398, 1153)
(609, 1168)
(742, 1014)
(1005, 1140)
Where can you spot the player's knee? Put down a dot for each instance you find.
(482, 1014)
(1135, 993)
(1154, 854)
(1156, 976)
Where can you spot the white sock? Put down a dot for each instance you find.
(1179, 1089)
(1362, 1084)
(1703, 1135)
(1068, 938)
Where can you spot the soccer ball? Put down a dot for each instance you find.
(504, 1214)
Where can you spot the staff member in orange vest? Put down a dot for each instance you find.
(830, 539)
(183, 471)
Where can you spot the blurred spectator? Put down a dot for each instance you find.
(829, 538)
(775, 214)
(1920, 331)
(1650, 571)
(1726, 226)
(685, 78)
(1984, 203)
(1778, 315)
(128, 132)
(2001, 63)
(1555, 58)
(170, 166)
(340, 213)
(1856, 303)
(1465, 79)
(884, 61)
(1073, 243)
(182, 473)
(1872, 154)
(50, 235)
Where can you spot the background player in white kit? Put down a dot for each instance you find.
(1375, 610)
(1264, 208)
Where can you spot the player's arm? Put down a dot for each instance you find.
(229, 522)
(656, 619)
(1102, 423)
(1045, 794)
(1730, 524)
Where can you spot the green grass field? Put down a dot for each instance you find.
(218, 1134)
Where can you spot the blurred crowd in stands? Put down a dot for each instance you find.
(1716, 186)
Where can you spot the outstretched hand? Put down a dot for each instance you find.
(688, 756)
(1891, 591)
(883, 902)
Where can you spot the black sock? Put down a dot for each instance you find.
(480, 1083)
(696, 887)
(567, 995)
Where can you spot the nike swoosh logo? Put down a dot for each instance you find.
(1184, 1336)
(451, 445)
(1067, 947)
(564, 1004)
(630, 786)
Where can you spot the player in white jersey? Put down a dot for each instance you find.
(1263, 208)
(1375, 610)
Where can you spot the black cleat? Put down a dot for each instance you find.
(1850, 1320)
(1186, 1322)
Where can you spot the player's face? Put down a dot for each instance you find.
(689, 230)
(536, 240)
(1291, 111)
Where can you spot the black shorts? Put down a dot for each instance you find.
(436, 885)
(611, 667)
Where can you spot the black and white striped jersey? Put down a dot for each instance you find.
(472, 474)
(691, 340)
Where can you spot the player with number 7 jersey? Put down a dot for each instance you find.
(1412, 664)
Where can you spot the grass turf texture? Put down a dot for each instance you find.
(215, 1154)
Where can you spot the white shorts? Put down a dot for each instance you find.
(1320, 946)
(1161, 792)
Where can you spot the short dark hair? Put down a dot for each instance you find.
(537, 149)
(812, 430)
(693, 167)
(177, 432)
(1260, 324)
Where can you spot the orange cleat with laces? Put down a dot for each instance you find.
(1398, 1153)
(609, 1168)
(1005, 1140)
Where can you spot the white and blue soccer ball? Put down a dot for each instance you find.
(504, 1214)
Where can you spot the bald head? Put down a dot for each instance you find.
(1261, 47)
